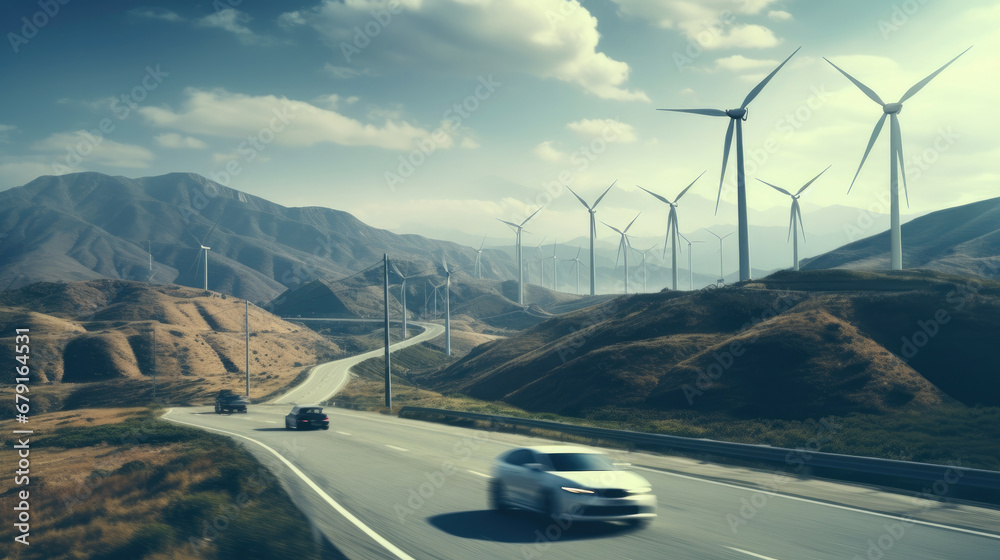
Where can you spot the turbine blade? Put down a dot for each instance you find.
(712, 232)
(630, 223)
(805, 186)
(678, 199)
(213, 226)
(728, 234)
(481, 245)
(753, 93)
(897, 141)
(621, 245)
(598, 201)
(802, 225)
(725, 161)
(444, 263)
(709, 112)
(917, 87)
(396, 269)
(779, 189)
(871, 142)
(582, 201)
(531, 216)
(658, 197)
(511, 224)
(666, 238)
(791, 221)
(867, 90)
(613, 227)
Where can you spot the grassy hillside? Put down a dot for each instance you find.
(832, 345)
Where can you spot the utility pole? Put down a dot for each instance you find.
(246, 324)
(385, 288)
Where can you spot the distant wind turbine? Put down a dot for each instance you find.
(555, 262)
(623, 246)
(722, 271)
(795, 222)
(896, 165)
(447, 306)
(479, 258)
(690, 261)
(593, 233)
(672, 228)
(520, 262)
(576, 266)
(736, 118)
(402, 290)
(643, 253)
(204, 247)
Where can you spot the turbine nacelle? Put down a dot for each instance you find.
(740, 113)
(892, 108)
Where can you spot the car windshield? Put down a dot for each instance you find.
(580, 462)
(311, 411)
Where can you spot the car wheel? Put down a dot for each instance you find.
(498, 500)
(326, 427)
(217, 409)
(550, 505)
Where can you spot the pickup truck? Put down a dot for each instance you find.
(228, 401)
(307, 416)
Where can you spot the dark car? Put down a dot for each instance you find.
(228, 401)
(307, 416)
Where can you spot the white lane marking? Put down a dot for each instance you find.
(396, 448)
(344, 433)
(326, 497)
(269, 422)
(827, 504)
(751, 553)
(478, 473)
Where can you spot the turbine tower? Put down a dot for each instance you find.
(593, 233)
(736, 118)
(447, 306)
(520, 262)
(672, 228)
(795, 222)
(555, 262)
(479, 258)
(402, 289)
(204, 247)
(896, 166)
(623, 246)
(722, 271)
(690, 261)
(643, 253)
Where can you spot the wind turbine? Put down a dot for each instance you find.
(895, 154)
(479, 258)
(204, 247)
(576, 266)
(722, 272)
(690, 261)
(643, 253)
(402, 289)
(447, 306)
(672, 231)
(555, 270)
(736, 118)
(435, 290)
(537, 255)
(795, 222)
(520, 263)
(623, 246)
(593, 233)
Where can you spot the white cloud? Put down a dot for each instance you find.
(711, 24)
(83, 146)
(604, 128)
(156, 13)
(233, 21)
(547, 152)
(174, 140)
(779, 15)
(739, 63)
(545, 38)
(281, 121)
(16, 173)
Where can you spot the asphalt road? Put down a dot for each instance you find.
(384, 487)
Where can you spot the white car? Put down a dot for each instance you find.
(570, 483)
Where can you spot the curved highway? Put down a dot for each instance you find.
(384, 487)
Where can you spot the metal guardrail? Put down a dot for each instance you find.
(949, 475)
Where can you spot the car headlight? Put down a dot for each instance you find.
(572, 490)
(642, 490)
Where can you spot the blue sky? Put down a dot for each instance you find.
(494, 105)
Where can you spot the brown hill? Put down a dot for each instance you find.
(105, 329)
(757, 350)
